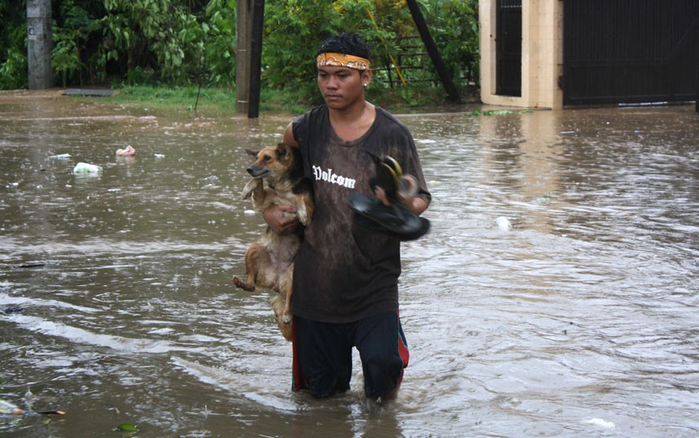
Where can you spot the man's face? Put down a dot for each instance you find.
(341, 86)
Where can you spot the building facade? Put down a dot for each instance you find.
(556, 53)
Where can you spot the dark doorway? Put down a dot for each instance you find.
(508, 47)
(630, 51)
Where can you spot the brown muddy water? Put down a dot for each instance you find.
(582, 319)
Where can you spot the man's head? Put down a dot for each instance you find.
(346, 44)
(343, 70)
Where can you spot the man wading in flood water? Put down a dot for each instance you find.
(346, 278)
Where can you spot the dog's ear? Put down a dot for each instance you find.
(253, 153)
(283, 152)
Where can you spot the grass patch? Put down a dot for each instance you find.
(207, 101)
(217, 101)
(180, 99)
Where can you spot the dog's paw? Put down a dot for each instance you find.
(252, 186)
(287, 332)
(303, 218)
(238, 282)
(303, 214)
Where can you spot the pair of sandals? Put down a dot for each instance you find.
(394, 221)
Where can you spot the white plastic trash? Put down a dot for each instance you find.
(503, 223)
(601, 423)
(61, 156)
(86, 168)
(7, 408)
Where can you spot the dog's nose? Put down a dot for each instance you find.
(251, 170)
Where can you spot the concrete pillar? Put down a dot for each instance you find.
(39, 44)
(542, 54)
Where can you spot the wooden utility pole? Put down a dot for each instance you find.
(249, 57)
(242, 59)
(432, 50)
(258, 15)
(39, 44)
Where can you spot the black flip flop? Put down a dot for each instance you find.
(395, 221)
(369, 225)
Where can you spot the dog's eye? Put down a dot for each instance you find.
(267, 158)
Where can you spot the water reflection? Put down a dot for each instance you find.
(579, 321)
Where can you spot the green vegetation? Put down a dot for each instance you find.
(184, 44)
(126, 427)
(479, 113)
(215, 101)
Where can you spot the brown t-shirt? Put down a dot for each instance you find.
(342, 273)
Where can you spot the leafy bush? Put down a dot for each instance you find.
(185, 42)
(13, 70)
(13, 45)
(74, 30)
(454, 27)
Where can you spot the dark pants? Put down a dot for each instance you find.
(323, 354)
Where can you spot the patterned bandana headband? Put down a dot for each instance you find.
(342, 60)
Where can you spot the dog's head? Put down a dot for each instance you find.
(272, 162)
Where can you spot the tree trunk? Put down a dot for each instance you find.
(431, 47)
(258, 15)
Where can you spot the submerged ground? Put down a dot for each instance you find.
(578, 319)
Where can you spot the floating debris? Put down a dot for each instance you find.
(87, 168)
(7, 408)
(13, 308)
(503, 223)
(128, 151)
(126, 427)
(28, 265)
(479, 113)
(601, 423)
(51, 412)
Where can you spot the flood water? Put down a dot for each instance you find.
(582, 319)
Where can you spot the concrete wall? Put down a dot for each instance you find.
(542, 54)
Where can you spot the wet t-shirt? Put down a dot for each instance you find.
(342, 273)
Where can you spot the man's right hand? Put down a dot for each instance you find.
(281, 218)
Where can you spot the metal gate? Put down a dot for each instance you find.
(508, 47)
(630, 51)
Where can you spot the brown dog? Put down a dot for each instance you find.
(277, 178)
